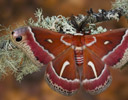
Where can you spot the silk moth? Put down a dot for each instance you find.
(74, 60)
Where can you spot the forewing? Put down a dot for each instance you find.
(62, 75)
(41, 45)
(96, 77)
(111, 46)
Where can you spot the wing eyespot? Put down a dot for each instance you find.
(19, 38)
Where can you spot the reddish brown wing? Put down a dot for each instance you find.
(95, 77)
(52, 42)
(54, 49)
(62, 75)
(111, 46)
(41, 45)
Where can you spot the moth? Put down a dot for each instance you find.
(74, 61)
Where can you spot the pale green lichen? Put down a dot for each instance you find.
(14, 60)
(54, 23)
(58, 23)
(26, 68)
(7, 57)
(98, 30)
(123, 4)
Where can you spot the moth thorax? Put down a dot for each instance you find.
(79, 57)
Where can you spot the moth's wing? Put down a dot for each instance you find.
(96, 76)
(111, 47)
(62, 75)
(41, 45)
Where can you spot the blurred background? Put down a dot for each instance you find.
(33, 87)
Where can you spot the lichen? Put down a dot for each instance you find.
(59, 23)
(13, 60)
(98, 30)
(123, 4)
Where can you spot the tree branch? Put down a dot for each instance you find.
(101, 16)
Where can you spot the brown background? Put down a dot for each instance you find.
(33, 87)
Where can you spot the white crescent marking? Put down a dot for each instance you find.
(66, 63)
(66, 43)
(90, 63)
(91, 43)
(65, 79)
(91, 80)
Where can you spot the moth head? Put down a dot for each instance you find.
(19, 35)
(23, 38)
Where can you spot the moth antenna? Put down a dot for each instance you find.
(73, 21)
(79, 27)
(90, 11)
(82, 25)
